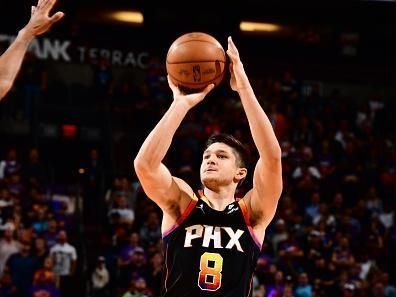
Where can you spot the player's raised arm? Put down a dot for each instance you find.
(267, 178)
(158, 183)
(10, 62)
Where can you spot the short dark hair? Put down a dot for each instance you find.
(235, 144)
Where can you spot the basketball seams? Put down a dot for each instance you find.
(216, 45)
(197, 83)
(200, 61)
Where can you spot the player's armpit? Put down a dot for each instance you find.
(263, 199)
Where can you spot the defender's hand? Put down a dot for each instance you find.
(40, 21)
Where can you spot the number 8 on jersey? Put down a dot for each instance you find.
(210, 266)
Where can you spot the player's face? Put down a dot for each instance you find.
(219, 165)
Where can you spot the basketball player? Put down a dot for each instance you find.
(11, 60)
(211, 241)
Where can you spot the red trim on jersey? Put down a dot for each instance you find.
(180, 220)
(201, 193)
(245, 214)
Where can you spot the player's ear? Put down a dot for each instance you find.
(241, 173)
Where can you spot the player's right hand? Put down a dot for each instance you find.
(190, 99)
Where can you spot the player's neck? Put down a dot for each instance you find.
(220, 198)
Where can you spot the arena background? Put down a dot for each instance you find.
(91, 89)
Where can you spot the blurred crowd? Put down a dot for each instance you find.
(333, 233)
(35, 253)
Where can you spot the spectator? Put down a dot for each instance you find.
(366, 265)
(6, 203)
(15, 185)
(324, 277)
(7, 288)
(65, 257)
(312, 209)
(40, 249)
(40, 222)
(374, 202)
(51, 234)
(348, 290)
(342, 256)
(280, 235)
(22, 266)
(290, 255)
(259, 291)
(137, 265)
(325, 216)
(92, 179)
(389, 288)
(128, 190)
(10, 165)
(43, 287)
(303, 289)
(150, 232)
(64, 217)
(155, 277)
(127, 215)
(100, 279)
(138, 288)
(276, 288)
(112, 192)
(386, 217)
(46, 269)
(34, 172)
(288, 291)
(8, 245)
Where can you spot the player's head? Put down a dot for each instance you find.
(224, 161)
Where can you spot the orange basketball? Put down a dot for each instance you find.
(195, 60)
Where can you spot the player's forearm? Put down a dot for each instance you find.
(11, 60)
(260, 126)
(157, 144)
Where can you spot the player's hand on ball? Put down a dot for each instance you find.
(238, 79)
(190, 99)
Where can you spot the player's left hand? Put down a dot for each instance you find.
(40, 21)
(238, 79)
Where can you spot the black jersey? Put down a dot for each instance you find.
(210, 252)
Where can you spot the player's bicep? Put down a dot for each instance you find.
(267, 188)
(161, 187)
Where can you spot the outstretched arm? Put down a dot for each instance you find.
(157, 182)
(10, 62)
(262, 200)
